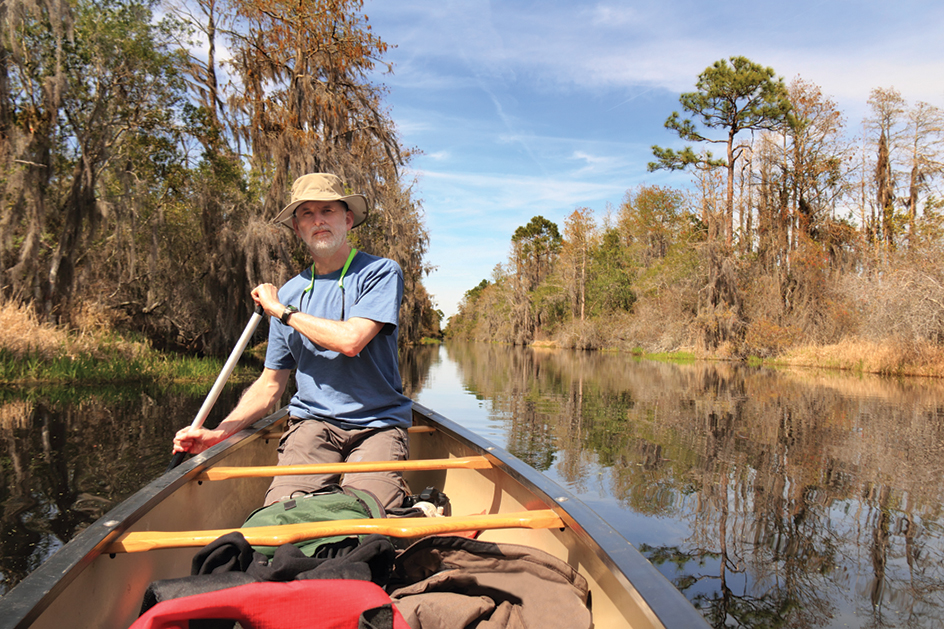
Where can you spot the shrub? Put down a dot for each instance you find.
(764, 338)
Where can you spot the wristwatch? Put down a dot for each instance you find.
(288, 312)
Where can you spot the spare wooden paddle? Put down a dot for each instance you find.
(346, 467)
(139, 541)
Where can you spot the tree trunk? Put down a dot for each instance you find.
(583, 283)
(885, 196)
(729, 193)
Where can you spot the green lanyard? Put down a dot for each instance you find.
(347, 265)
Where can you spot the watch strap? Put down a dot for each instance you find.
(288, 312)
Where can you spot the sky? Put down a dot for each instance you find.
(537, 108)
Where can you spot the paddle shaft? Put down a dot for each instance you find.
(276, 535)
(222, 378)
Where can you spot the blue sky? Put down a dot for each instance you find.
(525, 108)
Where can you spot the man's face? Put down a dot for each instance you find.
(323, 225)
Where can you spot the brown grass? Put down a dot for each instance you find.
(22, 334)
(887, 357)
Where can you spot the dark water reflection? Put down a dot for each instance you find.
(68, 455)
(794, 499)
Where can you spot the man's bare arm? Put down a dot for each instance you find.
(261, 396)
(347, 337)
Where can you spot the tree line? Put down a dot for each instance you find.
(144, 148)
(796, 234)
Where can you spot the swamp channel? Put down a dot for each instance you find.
(770, 498)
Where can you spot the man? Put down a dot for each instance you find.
(336, 324)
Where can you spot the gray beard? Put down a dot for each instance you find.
(324, 248)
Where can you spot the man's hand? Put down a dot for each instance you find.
(267, 296)
(255, 401)
(196, 440)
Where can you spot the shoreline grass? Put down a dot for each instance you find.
(887, 358)
(884, 358)
(36, 369)
(32, 353)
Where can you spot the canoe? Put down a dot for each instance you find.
(98, 579)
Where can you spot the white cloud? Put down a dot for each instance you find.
(590, 159)
(607, 16)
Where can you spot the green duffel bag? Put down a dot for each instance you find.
(331, 503)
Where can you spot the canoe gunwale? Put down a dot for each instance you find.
(22, 605)
(627, 564)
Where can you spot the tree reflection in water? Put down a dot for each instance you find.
(809, 499)
(69, 455)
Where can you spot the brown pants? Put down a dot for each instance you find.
(308, 441)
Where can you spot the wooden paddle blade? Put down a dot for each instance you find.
(347, 467)
(139, 541)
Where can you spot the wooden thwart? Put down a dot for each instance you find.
(140, 541)
(348, 467)
(414, 430)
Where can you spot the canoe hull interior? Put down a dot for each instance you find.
(91, 589)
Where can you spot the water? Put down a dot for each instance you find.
(801, 499)
(770, 498)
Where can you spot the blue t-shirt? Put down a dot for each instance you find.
(360, 391)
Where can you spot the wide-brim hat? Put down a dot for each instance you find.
(322, 187)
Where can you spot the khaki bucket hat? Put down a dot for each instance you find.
(322, 187)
